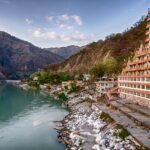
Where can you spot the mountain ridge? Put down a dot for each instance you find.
(119, 46)
(65, 52)
(21, 56)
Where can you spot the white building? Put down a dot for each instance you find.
(104, 84)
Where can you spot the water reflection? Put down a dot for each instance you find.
(26, 120)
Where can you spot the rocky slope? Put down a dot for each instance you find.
(120, 46)
(65, 52)
(18, 57)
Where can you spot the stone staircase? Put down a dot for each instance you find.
(135, 118)
(139, 116)
(138, 108)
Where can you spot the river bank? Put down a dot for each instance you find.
(87, 127)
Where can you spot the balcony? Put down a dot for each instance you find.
(148, 33)
(135, 82)
(148, 19)
(140, 62)
(136, 69)
(148, 25)
(143, 53)
(147, 39)
(144, 91)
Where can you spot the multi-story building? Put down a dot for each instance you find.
(134, 81)
(104, 84)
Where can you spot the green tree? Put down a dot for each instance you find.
(110, 66)
(97, 71)
(44, 77)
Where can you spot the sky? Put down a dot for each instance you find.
(56, 23)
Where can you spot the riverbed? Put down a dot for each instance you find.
(27, 120)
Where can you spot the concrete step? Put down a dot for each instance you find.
(142, 135)
(138, 108)
(137, 117)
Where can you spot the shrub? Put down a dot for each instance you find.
(74, 88)
(65, 76)
(62, 97)
(44, 77)
(122, 132)
(34, 84)
(106, 118)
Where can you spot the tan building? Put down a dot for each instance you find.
(134, 81)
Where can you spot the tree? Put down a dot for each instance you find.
(110, 66)
(97, 71)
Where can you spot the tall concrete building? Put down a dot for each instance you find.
(134, 81)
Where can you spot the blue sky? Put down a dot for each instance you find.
(51, 23)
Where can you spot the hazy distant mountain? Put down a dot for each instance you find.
(18, 57)
(65, 52)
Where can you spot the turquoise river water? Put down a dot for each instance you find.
(26, 120)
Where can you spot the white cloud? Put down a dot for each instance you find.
(37, 33)
(51, 35)
(65, 26)
(77, 19)
(65, 18)
(28, 21)
(77, 31)
(62, 30)
(50, 18)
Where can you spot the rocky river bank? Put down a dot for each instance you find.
(87, 128)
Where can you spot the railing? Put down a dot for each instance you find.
(143, 53)
(148, 25)
(136, 69)
(143, 91)
(139, 62)
(134, 82)
(134, 76)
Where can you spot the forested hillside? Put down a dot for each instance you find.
(115, 48)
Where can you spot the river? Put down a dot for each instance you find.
(26, 120)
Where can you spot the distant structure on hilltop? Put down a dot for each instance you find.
(134, 81)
